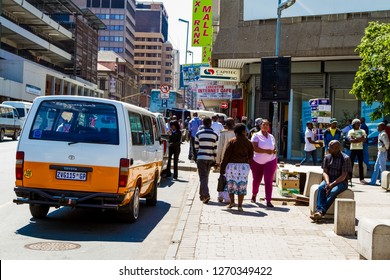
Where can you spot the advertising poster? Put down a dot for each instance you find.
(217, 90)
(157, 104)
(190, 73)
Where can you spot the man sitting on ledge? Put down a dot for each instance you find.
(336, 166)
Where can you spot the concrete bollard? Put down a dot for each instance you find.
(348, 193)
(385, 180)
(344, 216)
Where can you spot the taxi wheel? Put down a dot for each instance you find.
(130, 211)
(39, 211)
(152, 200)
(2, 134)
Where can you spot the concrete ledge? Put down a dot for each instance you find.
(374, 239)
(313, 198)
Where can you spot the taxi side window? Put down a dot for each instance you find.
(149, 139)
(137, 131)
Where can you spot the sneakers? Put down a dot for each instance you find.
(363, 182)
(316, 216)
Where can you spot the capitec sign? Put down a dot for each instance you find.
(220, 74)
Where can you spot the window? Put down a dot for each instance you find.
(119, 4)
(105, 3)
(76, 122)
(137, 132)
(148, 130)
(95, 3)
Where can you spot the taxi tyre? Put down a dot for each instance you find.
(2, 134)
(130, 211)
(16, 135)
(39, 211)
(152, 201)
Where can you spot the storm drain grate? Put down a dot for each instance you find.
(52, 246)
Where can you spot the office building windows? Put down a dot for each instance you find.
(118, 4)
(105, 3)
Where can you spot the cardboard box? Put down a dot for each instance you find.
(288, 187)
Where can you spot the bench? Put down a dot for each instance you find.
(313, 199)
(374, 239)
(312, 178)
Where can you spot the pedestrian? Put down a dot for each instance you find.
(174, 148)
(356, 137)
(332, 133)
(366, 157)
(345, 130)
(336, 166)
(387, 130)
(216, 125)
(193, 127)
(310, 144)
(264, 161)
(383, 147)
(256, 128)
(206, 149)
(223, 141)
(236, 165)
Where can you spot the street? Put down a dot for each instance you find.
(86, 234)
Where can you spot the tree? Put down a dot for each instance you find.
(372, 80)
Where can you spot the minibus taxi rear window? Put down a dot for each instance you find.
(76, 122)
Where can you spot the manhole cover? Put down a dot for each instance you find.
(52, 246)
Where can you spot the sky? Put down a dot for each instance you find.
(177, 31)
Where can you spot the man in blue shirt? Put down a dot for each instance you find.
(193, 126)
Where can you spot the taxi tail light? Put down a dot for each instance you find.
(165, 147)
(124, 164)
(19, 165)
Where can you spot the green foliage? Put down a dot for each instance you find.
(372, 80)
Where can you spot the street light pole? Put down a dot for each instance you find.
(188, 25)
(275, 120)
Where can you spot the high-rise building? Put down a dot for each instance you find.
(119, 37)
(153, 53)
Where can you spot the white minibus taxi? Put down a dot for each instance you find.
(10, 124)
(88, 152)
(21, 106)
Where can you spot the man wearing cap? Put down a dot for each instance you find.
(332, 133)
(357, 137)
(310, 148)
(383, 146)
(256, 128)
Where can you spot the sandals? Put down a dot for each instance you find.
(231, 205)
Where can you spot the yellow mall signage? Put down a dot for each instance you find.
(202, 28)
(206, 55)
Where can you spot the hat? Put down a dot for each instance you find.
(355, 121)
(258, 121)
(333, 120)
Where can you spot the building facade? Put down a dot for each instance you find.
(47, 48)
(153, 52)
(324, 61)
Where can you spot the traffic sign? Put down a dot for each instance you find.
(165, 88)
(224, 105)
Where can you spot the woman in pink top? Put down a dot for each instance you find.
(264, 161)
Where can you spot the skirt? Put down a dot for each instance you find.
(237, 178)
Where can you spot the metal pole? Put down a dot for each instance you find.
(275, 119)
(188, 26)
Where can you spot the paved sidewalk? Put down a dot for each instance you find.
(285, 232)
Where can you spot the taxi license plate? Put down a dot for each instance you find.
(70, 175)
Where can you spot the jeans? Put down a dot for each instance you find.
(359, 155)
(324, 201)
(313, 155)
(175, 151)
(366, 157)
(204, 167)
(380, 166)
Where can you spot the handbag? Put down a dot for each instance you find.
(221, 183)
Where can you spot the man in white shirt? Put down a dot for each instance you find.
(310, 148)
(383, 146)
(216, 125)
